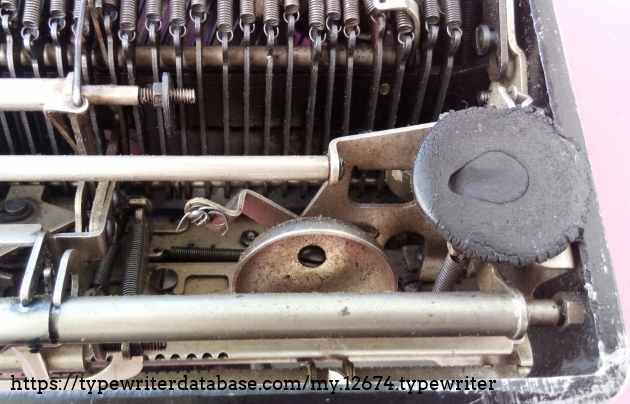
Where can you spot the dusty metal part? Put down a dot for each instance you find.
(45, 217)
(357, 350)
(247, 316)
(499, 98)
(517, 66)
(342, 258)
(572, 310)
(194, 278)
(387, 150)
(528, 279)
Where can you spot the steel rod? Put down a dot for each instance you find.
(163, 168)
(212, 56)
(34, 94)
(252, 316)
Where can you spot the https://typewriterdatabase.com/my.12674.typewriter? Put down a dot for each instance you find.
(264, 190)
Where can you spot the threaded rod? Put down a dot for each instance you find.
(177, 95)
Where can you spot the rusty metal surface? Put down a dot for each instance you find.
(353, 261)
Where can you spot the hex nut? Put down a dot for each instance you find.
(572, 310)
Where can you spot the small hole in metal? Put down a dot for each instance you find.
(312, 256)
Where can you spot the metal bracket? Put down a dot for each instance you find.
(40, 258)
(386, 150)
(507, 65)
(216, 217)
(92, 244)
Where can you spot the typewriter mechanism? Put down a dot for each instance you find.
(265, 189)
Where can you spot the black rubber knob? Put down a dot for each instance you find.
(503, 186)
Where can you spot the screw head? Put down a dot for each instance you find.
(163, 280)
(485, 38)
(247, 237)
(16, 207)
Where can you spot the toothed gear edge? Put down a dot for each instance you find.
(532, 228)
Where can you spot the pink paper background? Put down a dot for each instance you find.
(597, 46)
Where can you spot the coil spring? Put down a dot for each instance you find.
(198, 6)
(470, 20)
(225, 15)
(134, 260)
(178, 13)
(154, 10)
(146, 347)
(450, 272)
(431, 11)
(183, 254)
(248, 11)
(271, 13)
(9, 5)
(110, 5)
(333, 9)
(316, 14)
(351, 13)
(104, 269)
(452, 13)
(128, 15)
(58, 8)
(404, 25)
(369, 7)
(32, 13)
(292, 6)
